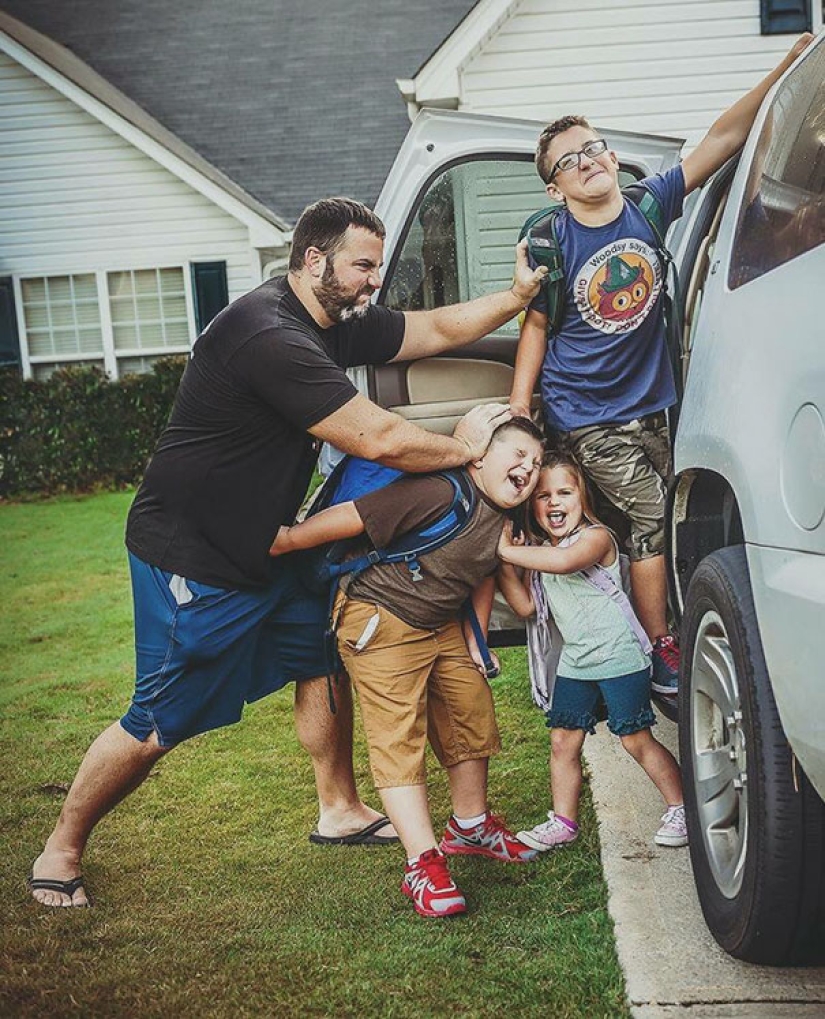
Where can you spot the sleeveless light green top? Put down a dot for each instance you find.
(598, 642)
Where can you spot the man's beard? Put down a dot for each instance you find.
(336, 302)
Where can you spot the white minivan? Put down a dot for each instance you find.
(746, 517)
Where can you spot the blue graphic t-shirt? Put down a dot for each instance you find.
(609, 362)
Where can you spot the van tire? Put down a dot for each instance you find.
(755, 823)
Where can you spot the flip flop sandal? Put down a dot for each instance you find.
(368, 836)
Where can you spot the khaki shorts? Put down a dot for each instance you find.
(630, 463)
(413, 684)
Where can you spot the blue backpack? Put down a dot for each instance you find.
(328, 564)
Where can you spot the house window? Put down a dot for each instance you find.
(121, 321)
(62, 320)
(148, 309)
(778, 17)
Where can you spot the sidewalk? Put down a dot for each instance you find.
(672, 965)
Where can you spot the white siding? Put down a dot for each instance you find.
(76, 197)
(667, 68)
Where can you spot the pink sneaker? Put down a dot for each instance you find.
(551, 834)
(428, 883)
(674, 828)
(490, 838)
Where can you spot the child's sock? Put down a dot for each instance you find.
(466, 823)
(567, 822)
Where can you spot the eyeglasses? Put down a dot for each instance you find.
(570, 160)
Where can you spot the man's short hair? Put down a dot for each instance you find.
(323, 224)
(519, 424)
(543, 165)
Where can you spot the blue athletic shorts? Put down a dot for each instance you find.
(202, 652)
(627, 698)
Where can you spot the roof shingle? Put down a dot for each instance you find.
(291, 101)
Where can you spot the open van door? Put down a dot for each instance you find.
(455, 199)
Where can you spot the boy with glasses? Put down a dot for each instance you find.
(606, 377)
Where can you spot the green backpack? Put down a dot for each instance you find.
(544, 249)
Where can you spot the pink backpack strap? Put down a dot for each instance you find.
(601, 579)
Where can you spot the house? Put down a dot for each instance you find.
(665, 67)
(154, 157)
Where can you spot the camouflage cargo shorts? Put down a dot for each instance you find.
(630, 463)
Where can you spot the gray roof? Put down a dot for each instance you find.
(292, 101)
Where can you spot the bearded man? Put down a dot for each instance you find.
(218, 621)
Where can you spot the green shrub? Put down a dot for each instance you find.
(77, 431)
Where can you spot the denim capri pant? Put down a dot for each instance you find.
(627, 698)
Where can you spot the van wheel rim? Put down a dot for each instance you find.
(719, 748)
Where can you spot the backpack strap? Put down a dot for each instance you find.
(491, 670)
(544, 249)
(651, 208)
(602, 579)
(407, 548)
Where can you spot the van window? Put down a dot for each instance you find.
(461, 236)
(783, 210)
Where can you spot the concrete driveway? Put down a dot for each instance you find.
(671, 963)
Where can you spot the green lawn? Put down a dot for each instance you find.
(210, 901)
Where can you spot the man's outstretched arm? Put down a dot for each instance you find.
(364, 429)
(431, 332)
(728, 132)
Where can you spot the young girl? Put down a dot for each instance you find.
(601, 654)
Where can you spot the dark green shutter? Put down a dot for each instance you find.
(210, 290)
(9, 338)
(781, 16)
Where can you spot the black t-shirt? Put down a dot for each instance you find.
(235, 459)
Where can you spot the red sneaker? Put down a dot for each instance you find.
(490, 838)
(428, 883)
(665, 666)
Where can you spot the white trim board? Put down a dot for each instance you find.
(438, 81)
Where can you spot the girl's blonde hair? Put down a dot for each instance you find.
(559, 458)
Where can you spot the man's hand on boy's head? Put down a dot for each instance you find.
(476, 428)
(526, 281)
